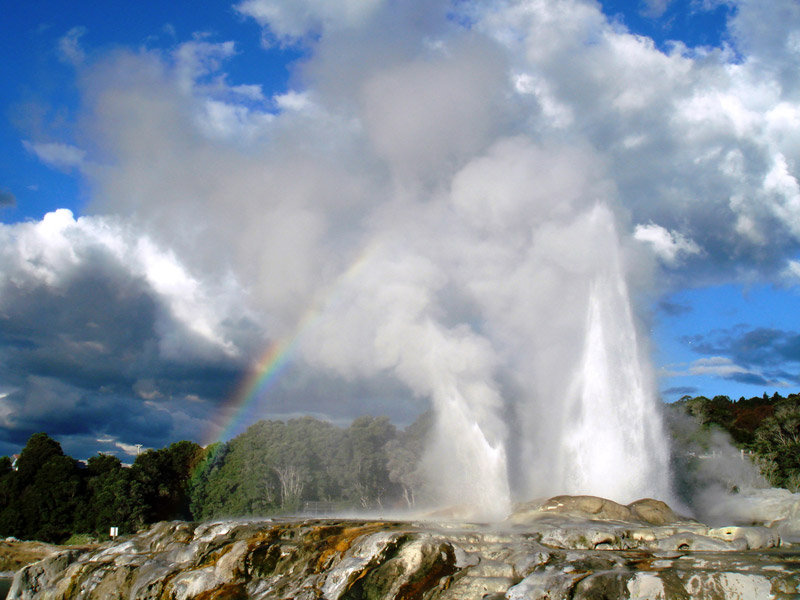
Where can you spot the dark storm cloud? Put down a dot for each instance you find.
(749, 378)
(91, 347)
(674, 309)
(87, 332)
(759, 347)
(63, 410)
(679, 391)
(755, 356)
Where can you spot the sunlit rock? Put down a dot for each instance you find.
(647, 510)
(653, 512)
(776, 508)
(566, 547)
(754, 538)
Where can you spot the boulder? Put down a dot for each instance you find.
(646, 511)
(590, 507)
(653, 512)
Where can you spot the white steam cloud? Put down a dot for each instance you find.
(454, 189)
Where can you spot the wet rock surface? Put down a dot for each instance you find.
(539, 553)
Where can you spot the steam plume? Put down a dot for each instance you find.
(507, 185)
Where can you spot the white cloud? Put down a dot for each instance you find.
(290, 21)
(767, 35)
(558, 115)
(69, 47)
(781, 184)
(656, 8)
(792, 272)
(669, 246)
(718, 366)
(249, 91)
(50, 251)
(197, 59)
(228, 121)
(226, 112)
(131, 449)
(60, 156)
(293, 100)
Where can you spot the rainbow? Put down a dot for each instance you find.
(266, 371)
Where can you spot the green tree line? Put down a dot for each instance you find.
(274, 467)
(277, 467)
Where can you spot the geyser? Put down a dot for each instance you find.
(613, 441)
(594, 426)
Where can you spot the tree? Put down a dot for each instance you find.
(161, 482)
(198, 486)
(777, 441)
(364, 461)
(404, 457)
(292, 483)
(765, 426)
(44, 494)
(109, 498)
(39, 449)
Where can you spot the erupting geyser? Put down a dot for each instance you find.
(594, 426)
(613, 445)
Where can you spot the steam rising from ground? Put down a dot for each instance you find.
(469, 197)
(719, 484)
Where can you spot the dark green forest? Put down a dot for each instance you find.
(278, 467)
(272, 468)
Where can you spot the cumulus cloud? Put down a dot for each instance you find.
(223, 111)
(88, 307)
(692, 151)
(767, 36)
(292, 21)
(53, 251)
(669, 246)
(60, 156)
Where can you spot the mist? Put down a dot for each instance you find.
(719, 484)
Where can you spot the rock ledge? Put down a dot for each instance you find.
(566, 547)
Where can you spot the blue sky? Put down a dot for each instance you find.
(231, 168)
(42, 97)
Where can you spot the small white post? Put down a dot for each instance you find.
(114, 532)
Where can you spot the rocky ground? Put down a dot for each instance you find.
(567, 547)
(15, 554)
